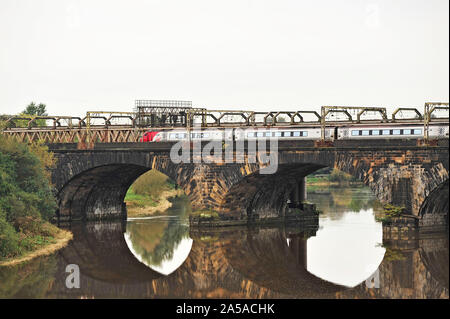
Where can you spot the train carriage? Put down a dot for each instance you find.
(361, 131)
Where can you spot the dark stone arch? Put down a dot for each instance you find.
(265, 195)
(98, 193)
(434, 210)
(92, 185)
(71, 164)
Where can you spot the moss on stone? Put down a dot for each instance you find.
(206, 214)
(390, 212)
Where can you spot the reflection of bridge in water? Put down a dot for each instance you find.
(241, 263)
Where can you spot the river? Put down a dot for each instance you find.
(161, 257)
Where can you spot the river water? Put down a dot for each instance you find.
(160, 257)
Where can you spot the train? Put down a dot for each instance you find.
(385, 130)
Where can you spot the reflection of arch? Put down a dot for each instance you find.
(163, 244)
(100, 250)
(415, 268)
(434, 254)
(237, 262)
(262, 256)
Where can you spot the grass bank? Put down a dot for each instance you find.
(38, 239)
(145, 205)
(149, 195)
(331, 177)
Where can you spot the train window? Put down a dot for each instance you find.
(365, 133)
(396, 132)
(406, 132)
(296, 133)
(375, 132)
(386, 132)
(305, 133)
(172, 136)
(268, 134)
(417, 132)
(355, 133)
(251, 134)
(287, 134)
(260, 134)
(278, 134)
(199, 135)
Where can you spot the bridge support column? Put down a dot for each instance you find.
(302, 189)
(298, 247)
(298, 194)
(295, 195)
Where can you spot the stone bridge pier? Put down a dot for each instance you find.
(91, 184)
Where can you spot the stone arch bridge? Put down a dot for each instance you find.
(91, 184)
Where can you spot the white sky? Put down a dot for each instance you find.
(77, 56)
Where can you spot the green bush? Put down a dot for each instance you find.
(151, 184)
(26, 197)
(339, 176)
(9, 239)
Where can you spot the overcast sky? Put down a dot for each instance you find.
(77, 56)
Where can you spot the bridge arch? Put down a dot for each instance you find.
(94, 187)
(253, 193)
(401, 177)
(434, 210)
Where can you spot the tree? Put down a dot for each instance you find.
(33, 109)
(26, 197)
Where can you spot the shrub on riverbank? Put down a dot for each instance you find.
(331, 176)
(151, 184)
(26, 199)
(150, 194)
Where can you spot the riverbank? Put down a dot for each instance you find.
(144, 206)
(42, 245)
(324, 185)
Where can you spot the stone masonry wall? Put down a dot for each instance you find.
(94, 182)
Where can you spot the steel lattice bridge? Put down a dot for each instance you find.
(122, 127)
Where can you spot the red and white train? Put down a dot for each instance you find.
(362, 131)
